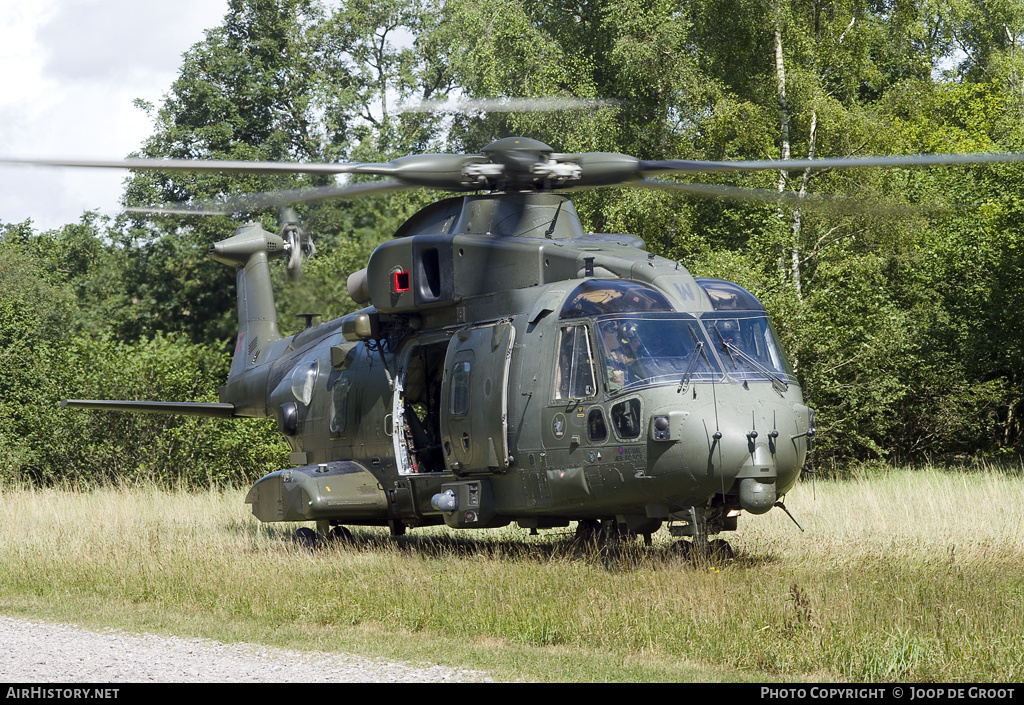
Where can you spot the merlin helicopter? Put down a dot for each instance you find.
(508, 366)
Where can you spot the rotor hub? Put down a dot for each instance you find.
(522, 164)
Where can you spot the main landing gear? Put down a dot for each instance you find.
(598, 533)
(326, 532)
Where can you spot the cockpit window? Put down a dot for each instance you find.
(727, 296)
(574, 375)
(746, 343)
(595, 297)
(596, 430)
(626, 418)
(654, 349)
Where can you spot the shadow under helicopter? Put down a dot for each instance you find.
(616, 553)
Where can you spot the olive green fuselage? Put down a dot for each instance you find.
(479, 389)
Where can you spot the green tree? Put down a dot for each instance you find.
(55, 346)
(902, 314)
(886, 341)
(279, 80)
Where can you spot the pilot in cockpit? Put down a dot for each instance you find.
(622, 349)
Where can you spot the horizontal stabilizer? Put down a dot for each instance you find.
(184, 408)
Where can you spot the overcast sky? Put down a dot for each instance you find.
(69, 71)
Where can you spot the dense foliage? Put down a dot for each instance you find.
(903, 315)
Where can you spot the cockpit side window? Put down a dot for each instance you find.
(626, 419)
(596, 430)
(574, 371)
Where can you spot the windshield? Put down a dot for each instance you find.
(746, 343)
(654, 349)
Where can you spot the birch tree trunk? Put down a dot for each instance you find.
(780, 87)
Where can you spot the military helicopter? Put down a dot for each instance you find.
(509, 366)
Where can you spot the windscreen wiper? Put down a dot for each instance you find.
(778, 383)
(684, 383)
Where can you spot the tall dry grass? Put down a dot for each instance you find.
(905, 576)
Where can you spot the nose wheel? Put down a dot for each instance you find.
(700, 547)
(713, 551)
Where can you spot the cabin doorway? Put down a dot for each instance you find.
(416, 408)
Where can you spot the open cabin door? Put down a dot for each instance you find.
(474, 422)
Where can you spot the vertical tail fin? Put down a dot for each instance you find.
(249, 250)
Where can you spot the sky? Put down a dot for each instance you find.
(69, 73)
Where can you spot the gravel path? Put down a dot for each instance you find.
(39, 652)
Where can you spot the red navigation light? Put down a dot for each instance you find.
(400, 282)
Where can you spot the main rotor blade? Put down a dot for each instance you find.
(275, 199)
(442, 171)
(228, 166)
(837, 204)
(507, 105)
(737, 193)
(513, 164)
(649, 166)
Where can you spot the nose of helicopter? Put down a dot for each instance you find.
(753, 451)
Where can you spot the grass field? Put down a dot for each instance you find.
(909, 575)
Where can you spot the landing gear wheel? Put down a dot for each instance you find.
(612, 544)
(719, 550)
(340, 533)
(589, 532)
(307, 538)
(684, 549)
(711, 551)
